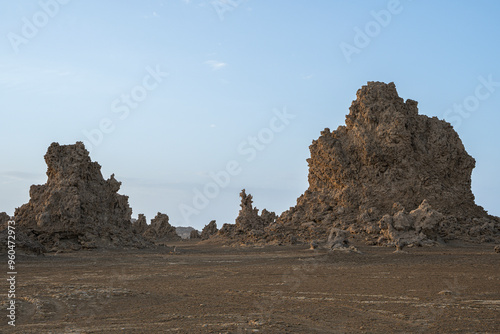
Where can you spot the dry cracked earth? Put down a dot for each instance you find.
(208, 288)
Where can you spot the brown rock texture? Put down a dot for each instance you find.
(387, 156)
(209, 230)
(76, 208)
(140, 225)
(250, 226)
(248, 218)
(160, 230)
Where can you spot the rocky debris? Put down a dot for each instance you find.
(24, 244)
(160, 230)
(338, 239)
(417, 228)
(76, 208)
(140, 225)
(388, 157)
(209, 230)
(194, 235)
(497, 249)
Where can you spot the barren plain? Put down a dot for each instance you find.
(200, 287)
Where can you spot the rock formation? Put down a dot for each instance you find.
(209, 230)
(250, 226)
(248, 218)
(389, 156)
(388, 159)
(76, 208)
(160, 230)
(140, 225)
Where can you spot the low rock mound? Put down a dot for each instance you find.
(76, 208)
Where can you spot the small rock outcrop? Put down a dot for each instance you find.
(250, 226)
(77, 208)
(209, 230)
(248, 218)
(140, 225)
(160, 230)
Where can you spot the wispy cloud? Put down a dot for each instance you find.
(215, 65)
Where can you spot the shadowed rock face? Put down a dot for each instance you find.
(77, 208)
(209, 230)
(385, 154)
(140, 225)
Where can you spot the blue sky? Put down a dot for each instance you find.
(167, 94)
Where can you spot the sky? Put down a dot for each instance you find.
(188, 102)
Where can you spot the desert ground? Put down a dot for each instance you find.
(201, 287)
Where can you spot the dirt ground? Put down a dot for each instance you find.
(206, 288)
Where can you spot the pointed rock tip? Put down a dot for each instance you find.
(377, 90)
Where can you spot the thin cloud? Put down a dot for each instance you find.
(215, 65)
